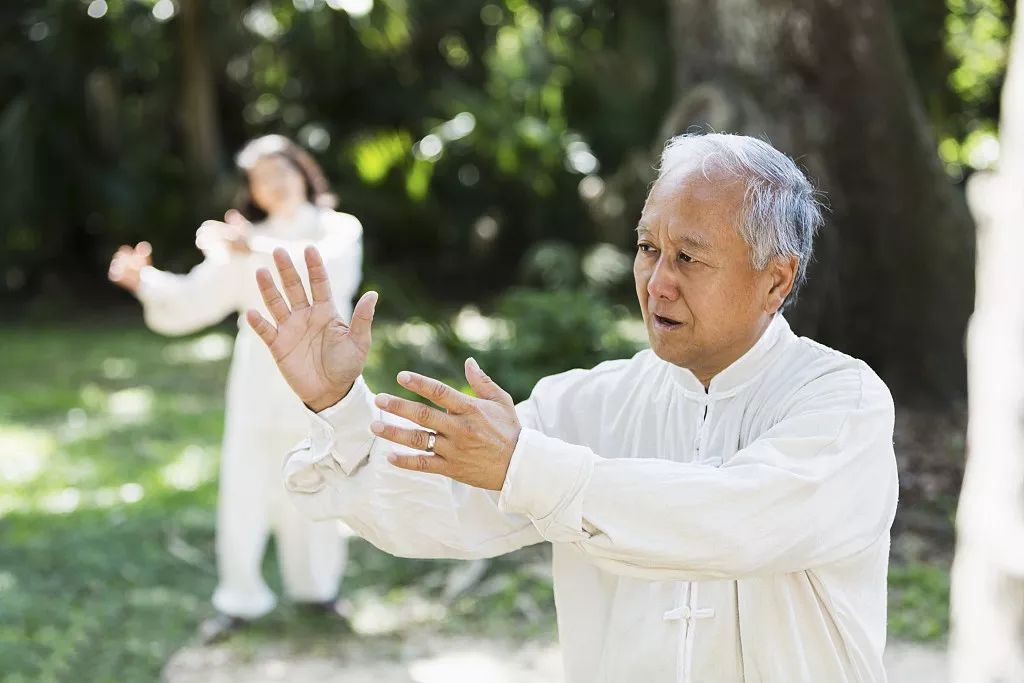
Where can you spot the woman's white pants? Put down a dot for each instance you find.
(252, 504)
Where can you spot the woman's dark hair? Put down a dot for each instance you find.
(317, 191)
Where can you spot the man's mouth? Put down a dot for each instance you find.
(663, 323)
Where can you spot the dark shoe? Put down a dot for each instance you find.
(337, 611)
(220, 627)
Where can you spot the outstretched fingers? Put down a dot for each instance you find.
(319, 284)
(272, 296)
(416, 439)
(262, 327)
(484, 386)
(422, 414)
(436, 391)
(291, 280)
(431, 464)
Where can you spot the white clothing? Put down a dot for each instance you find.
(263, 417)
(735, 534)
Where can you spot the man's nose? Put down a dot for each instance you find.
(662, 284)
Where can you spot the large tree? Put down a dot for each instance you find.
(828, 83)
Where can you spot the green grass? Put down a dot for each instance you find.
(109, 441)
(918, 601)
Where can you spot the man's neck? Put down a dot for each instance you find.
(705, 376)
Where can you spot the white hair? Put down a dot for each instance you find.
(780, 213)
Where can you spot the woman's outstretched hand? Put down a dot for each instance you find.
(232, 233)
(127, 264)
(318, 353)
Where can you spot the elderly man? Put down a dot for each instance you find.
(718, 505)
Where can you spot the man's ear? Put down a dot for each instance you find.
(782, 271)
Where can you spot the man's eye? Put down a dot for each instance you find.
(644, 248)
(685, 258)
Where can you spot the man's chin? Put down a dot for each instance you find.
(667, 351)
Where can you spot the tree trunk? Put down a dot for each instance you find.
(988, 574)
(827, 82)
(198, 101)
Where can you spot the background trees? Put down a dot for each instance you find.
(469, 136)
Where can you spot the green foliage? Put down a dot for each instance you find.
(957, 51)
(550, 332)
(460, 133)
(432, 119)
(561, 318)
(918, 601)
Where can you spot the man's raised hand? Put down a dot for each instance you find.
(318, 353)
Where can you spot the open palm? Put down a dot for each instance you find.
(319, 355)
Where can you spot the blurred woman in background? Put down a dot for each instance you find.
(286, 204)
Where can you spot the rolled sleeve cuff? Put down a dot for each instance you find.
(546, 480)
(343, 430)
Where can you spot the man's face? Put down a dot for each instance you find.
(703, 302)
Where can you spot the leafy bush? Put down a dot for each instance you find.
(550, 332)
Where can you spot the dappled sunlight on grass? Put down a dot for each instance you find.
(99, 436)
(130, 405)
(193, 466)
(118, 421)
(374, 616)
(25, 452)
(209, 348)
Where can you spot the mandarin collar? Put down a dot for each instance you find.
(742, 370)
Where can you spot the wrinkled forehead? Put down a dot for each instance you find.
(695, 194)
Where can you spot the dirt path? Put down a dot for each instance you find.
(434, 659)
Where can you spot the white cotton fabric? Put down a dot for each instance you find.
(735, 534)
(263, 416)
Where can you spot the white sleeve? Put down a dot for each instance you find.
(342, 472)
(176, 304)
(817, 487)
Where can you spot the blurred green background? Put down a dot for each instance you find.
(497, 154)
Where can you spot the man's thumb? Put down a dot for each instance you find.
(362, 314)
(484, 386)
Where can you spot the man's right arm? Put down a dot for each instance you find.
(342, 472)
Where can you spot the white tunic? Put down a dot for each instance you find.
(225, 283)
(263, 417)
(735, 534)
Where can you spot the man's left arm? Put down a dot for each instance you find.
(817, 487)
